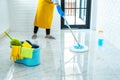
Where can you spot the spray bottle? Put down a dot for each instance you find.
(100, 37)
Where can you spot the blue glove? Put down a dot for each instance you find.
(60, 11)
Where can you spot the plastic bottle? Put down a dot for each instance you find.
(100, 38)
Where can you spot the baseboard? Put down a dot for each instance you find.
(2, 34)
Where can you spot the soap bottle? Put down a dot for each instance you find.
(100, 38)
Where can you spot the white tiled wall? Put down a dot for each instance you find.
(22, 14)
(108, 18)
(4, 18)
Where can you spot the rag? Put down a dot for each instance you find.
(26, 52)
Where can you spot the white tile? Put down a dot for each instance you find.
(59, 63)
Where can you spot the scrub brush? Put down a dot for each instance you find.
(14, 41)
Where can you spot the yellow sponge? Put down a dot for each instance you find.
(26, 44)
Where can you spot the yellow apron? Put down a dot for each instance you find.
(44, 14)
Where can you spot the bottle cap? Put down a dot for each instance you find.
(100, 30)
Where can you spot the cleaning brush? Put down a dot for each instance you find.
(13, 41)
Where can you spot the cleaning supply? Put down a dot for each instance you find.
(77, 47)
(100, 37)
(26, 44)
(35, 60)
(63, 15)
(26, 52)
(29, 42)
(13, 41)
(15, 53)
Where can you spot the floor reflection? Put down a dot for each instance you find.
(75, 65)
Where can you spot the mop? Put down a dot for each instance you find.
(76, 47)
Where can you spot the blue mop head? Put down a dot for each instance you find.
(78, 48)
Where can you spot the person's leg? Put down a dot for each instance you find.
(35, 32)
(48, 34)
(47, 31)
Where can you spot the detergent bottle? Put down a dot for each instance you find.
(100, 37)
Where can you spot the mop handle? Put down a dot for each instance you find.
(60, 11)
(71, 31)
(8, 35)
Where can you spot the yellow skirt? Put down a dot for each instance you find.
(44, 14)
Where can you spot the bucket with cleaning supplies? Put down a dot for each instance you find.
(34, 60)
(24, 52)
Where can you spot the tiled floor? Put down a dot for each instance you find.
(59, 63)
